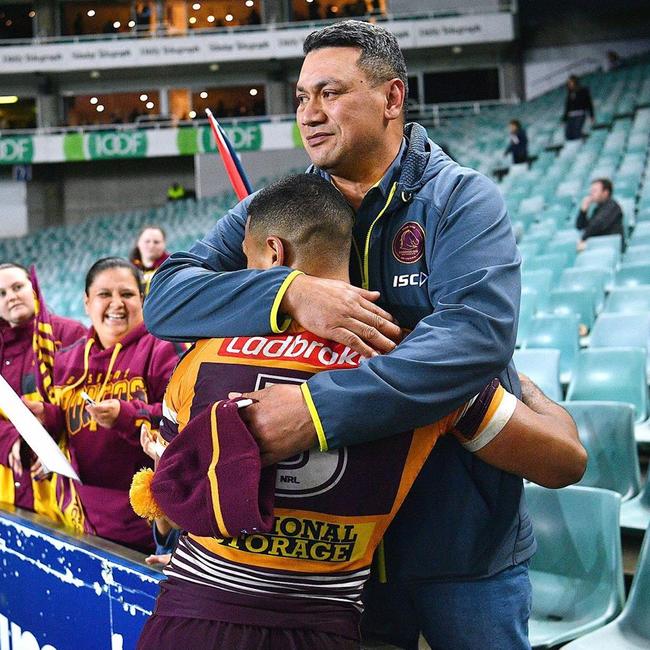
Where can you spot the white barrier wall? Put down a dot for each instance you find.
(13, 209)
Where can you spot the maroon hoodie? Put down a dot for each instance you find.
(17, 368)
(135, 371)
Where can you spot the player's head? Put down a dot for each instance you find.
(16, 295)
(302, 222)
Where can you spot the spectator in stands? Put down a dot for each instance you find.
(149, 252)
(607, 218)
(17, 366)
(518, 146)
(124, 370)
(577, 106)
(175, 192)
(435, 239)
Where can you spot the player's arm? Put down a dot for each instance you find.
(534, 438)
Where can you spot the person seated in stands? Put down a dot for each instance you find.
(250, 570)
(18, 367)
(518, 146)
(149, 252)
(124, 371)
(606, 219)
(175, 192)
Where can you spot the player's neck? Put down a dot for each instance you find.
(341, 274)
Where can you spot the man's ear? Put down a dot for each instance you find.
(395, 98)
(276, 250)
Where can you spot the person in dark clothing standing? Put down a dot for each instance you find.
(578, 105)
(607, 218)
(518, 146)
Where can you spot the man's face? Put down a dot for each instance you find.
(340, 115)
(597, 193)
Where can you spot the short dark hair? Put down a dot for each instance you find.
(14, 265)
(308, 211)
(381, 57)
(607, 185)
(106, 263)
(516, 123)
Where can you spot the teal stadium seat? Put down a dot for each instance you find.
(637, 255)
(606, 430)
(539, 281)
(610, 242)
(561, 333)
(556, 262)
(630, 630)
(527, 310)
(543, 367)
(605, 258)
(635, 300)
(611, 374)
(577, 572)
(574, 301)
(586, 278)
(635, 513)
(632, 275)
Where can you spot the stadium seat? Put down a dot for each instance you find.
(637, 255)
(527, 309)
(621, 330)
(611, 374)
(556, 262)
(635, 513)
(634, 300)
(561, 333)
(630, 630)
(606, 430)
(577, 572)
(543, 367)
(600, 257)
(632, 275)
(611, 242)
(539, 281)
(586, 278)
(574, 301)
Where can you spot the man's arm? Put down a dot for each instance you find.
(602, 220)
(539, 442)
(208, 292)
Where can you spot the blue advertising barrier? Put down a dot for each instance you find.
(59, 591)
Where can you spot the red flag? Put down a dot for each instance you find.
(43, 343)
(233, 169)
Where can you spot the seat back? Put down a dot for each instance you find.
(543, 367)
(527, 310)
(581, 302)
(586, 278)
(637, 610)
(556, 262)
(611, 374)
(599, 257)
(606, 430)
(630, 300)
(577, 571)
(541, 282)
(632, 275)
(561, 333)
(637, 255)
(621, 330)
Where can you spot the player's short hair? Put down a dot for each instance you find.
(106, 263)
(307, 211)
(605, 183)
(14, 265)
(381, 58)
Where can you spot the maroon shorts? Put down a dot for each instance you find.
(172, 633)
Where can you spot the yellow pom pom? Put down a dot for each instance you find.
(141, 497)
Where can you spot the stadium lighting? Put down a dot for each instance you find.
(210, 18)
(8, 99)
(90, 13)
(149, 105)
(192, 20)
(196, 6)
(93, 100)
(456, 49)
(94, 74)
(214, 67)
(100, 108)
(117, 24)
(203, 95)
(253, 92)
(309, 1)
(250, 3)
(229, 18)
(143, 97)
(131, 23)
(32, 13)
(192, 114)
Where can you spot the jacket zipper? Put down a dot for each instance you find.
(365, 280)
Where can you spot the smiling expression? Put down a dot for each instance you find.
(114, 305)
(16, 296)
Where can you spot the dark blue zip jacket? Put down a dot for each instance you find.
(434, 238)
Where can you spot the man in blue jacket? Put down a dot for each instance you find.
(433, 247)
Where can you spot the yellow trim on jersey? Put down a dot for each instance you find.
(275, 327)
(365, 281)
(318, 425)
(212, 473)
